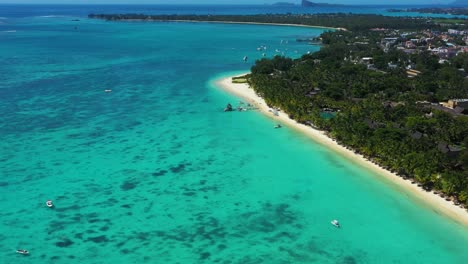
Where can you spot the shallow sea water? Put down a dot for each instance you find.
(156, 172)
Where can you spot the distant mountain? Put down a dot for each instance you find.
(306, 3)
(284, 4)
(460, 3)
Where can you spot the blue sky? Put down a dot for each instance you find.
(408, 2)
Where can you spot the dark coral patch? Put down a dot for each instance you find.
(270, 218)
(64, 243)
(159, 173)
(128, 185)
(143, 236)
(94, 220)
(204, 255)
(284, 215)
(3, 184)
(263, 225)
(120, 244)
(179, 168)
(69, 208)
(98, 239)
(349, 260)
(222, 246)
(55, 226)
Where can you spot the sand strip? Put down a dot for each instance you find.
(230, 22)
(438, 203)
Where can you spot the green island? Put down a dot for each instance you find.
(392, 89)
(353, 22)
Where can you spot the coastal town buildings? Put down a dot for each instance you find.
(445, 44)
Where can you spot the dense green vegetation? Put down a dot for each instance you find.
(349, 21)
(450, 21)
(377, 110)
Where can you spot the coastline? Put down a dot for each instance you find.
(439, 204)
(232, 22)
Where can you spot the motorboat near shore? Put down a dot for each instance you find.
(336, 223)
(228, 108)
(22, 251)
(242, 107)
(278, 126)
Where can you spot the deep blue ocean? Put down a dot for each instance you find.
(155, 172)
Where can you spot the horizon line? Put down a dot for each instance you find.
(206, 4)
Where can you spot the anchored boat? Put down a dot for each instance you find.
(49, 203)
(22, 251)
(336, 223)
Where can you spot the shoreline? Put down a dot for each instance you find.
(228, 22)
(436, 202)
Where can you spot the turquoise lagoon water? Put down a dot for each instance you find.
(156, 172)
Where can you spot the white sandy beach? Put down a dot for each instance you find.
(259, 23)
(436, 202)
(233, 22)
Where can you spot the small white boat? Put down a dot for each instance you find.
(22, 251)
(107, 90)
(49, 203)
(278, 126)
(245, 58)
(336, 223)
